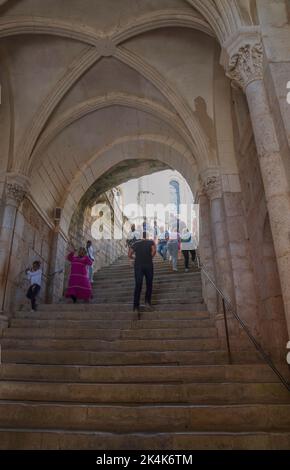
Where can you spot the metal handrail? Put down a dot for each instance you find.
(228, 306)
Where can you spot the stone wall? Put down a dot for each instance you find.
(106, 250)
(31, 242)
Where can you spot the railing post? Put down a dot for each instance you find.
(227, 331)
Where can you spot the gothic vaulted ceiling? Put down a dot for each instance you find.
(87, 84)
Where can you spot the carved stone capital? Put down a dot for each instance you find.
(211, 184)
(15, 192)
(247, 65)
(16, 187)
(243, 57)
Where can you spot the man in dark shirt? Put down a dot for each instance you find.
(143, 251)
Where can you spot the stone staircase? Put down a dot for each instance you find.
(95, 377)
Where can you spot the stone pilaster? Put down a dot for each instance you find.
(57, 265)
(245, 67)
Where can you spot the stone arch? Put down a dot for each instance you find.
(17, 25)
(224, 17)
(169, 152)
(120, 99)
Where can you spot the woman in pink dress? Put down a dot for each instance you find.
(79, 286)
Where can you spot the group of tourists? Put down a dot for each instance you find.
(141, 249)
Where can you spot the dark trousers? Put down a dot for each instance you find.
(186, 257)
(140, 272)
(32, 293)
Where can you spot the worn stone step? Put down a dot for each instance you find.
(164, 272)
(158, 263)
(154, 373)
(162, 302)
(122, 345)
(146, 418)
(169, 277)
(37, 439)
(183, 300)
(158, 284)
(166, 292)
(75, 314)
(113, 308)
(110, 334)
(185, 297)
(120, 291)
(75, 357)
(193, 393)
(108, 324)
(114, 358)
(164, 266)
(182, 282)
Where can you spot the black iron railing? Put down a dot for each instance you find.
(228, 307)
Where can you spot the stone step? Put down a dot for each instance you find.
(157, 263)
(183, 300)
(160, 270)
(157, 289)
(146, 418)
(166, 289)
(142, 374)
(164, 302)
(158, 266)
(135, 393)
(105, 358)
(180, 282)
(122, 345)
(108, 324)
(34, 439)
(110, 334)
(74, 314)
(113, 308)
(158, 285)
(189, 296)
(169, 277)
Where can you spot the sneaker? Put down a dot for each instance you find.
(186, 270)
(175, 270)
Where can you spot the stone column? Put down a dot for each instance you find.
(206, 253)
(14, 191)
(212, 187)
(245, 67)
(57, 265)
